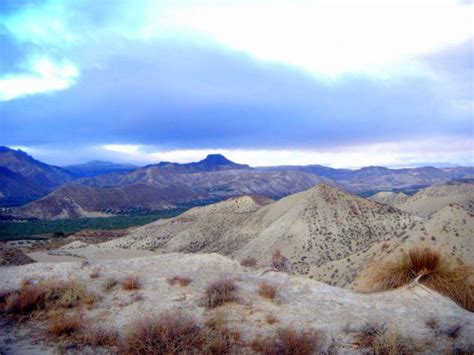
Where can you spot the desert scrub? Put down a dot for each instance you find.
(267, 290)
(47, 295)
(171, 333)
(95, 273)
(219, 292)
(288, 341)
(428, 267)
(280, 262)
(109, 283)
(249, 262)
(179, 280)
(383, 340)
(131, 283)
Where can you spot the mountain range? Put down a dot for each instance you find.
(103, 188)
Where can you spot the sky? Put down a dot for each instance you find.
(337, 83)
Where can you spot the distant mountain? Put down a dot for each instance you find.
(24, 178)
(96, 167)
(154, 188)
(212, 162)
(370, 180)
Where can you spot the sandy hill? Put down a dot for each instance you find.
(449, 230)
(339, 314)
(431, 199)
(311, 228)
(435, 198)
(207, 228)
(389, 198)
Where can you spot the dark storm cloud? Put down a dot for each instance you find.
(178, 96)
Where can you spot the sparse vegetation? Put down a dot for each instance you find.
(279, 261)
(267, 290)
(271, 319)
(180, 280)
(249, 262)
(61, 325)
(95, 273)
(219, 292)
(383, 341)
(429, 268)
(109, 283)
(289, 341)
(131, 283)
(47, 295)
(172, 333)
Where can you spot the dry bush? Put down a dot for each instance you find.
(61, 326)
(109, 283)
(47, 295)
(218, 338)
(279, 261)
(447, 277)
(384, 341)
(249, 262)
(289, 341)
(171, 333)
(267, 290)
(219, 292)
(271, 319)
(180, 280)
(95, 273)
(131, 283)
(97, 336)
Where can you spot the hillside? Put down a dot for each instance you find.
(310, 228)
(432, 199)
(24, 178)
(95, 168)
(154, 189)
(339, 316)
(449, 230)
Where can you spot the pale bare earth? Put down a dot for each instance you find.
(301, 302)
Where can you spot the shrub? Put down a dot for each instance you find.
(218, 338)
(220, 292)
(109, 283)
(60, 325)
(171, 333)
(47, 295)
(267, 290)
(95, 273)
(289, 341)
(249, 262)
(131, 283)
(384, 341)
(279, 262)
(181, 280)
(97, 336)
(429, 268)
(271, 319)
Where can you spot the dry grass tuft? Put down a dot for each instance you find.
(47, 295)
(280, 262)
(289, 341)
(131, 283)
(62, 326)
(218, 338)
(384, 341)
(267, 290)
(97, 336)
(95, 273)
(219, 292)
(447, 277)
(109, 283)
(249, 262)
(172, 333)
(271, 319)
(180, 280)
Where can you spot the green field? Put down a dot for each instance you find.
(10, 230)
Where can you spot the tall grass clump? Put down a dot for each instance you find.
(219, 292)
(428, 267)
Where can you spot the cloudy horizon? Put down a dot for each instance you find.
(343, 84)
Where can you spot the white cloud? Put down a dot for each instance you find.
(329, 38)
(43, 75)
